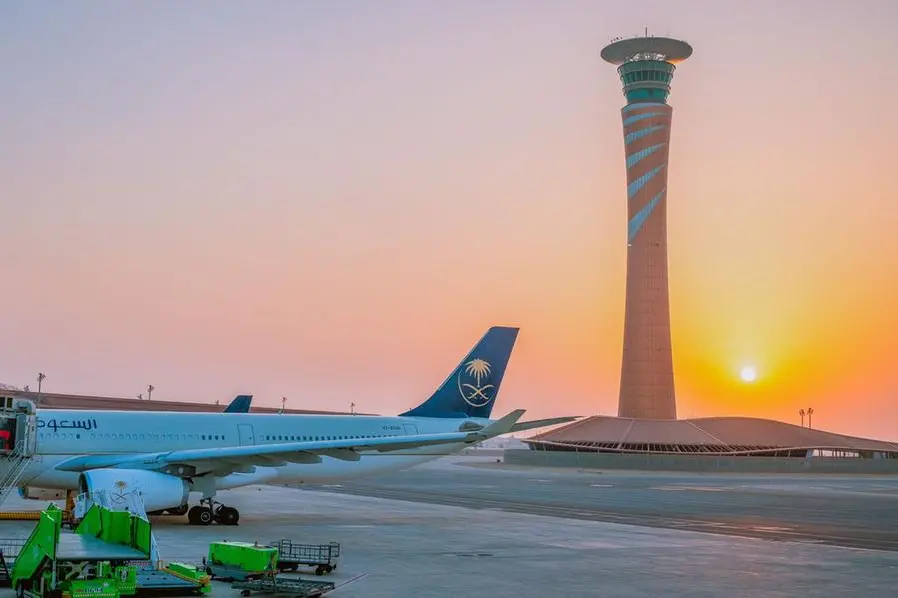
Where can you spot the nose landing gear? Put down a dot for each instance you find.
(208, 511)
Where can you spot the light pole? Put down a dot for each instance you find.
(283, 404)
(810, 413)
(150, 389)
(352, 408)
(801, 413)
(40, 380)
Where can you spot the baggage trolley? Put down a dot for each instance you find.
(323, 557)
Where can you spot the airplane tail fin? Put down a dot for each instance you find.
(240, 404)
(472, 387)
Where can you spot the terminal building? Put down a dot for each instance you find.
(48, 400)
(711, 436)
(646, 433)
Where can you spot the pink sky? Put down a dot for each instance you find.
(332, 202)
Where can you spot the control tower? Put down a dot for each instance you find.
(646, 67)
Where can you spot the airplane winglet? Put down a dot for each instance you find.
(498, 427)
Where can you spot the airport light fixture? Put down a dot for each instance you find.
(150, 389)
(801, 413)
(40, 379)
(810, 413)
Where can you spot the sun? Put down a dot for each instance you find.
(748, 373)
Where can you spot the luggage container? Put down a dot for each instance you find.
(239, 561)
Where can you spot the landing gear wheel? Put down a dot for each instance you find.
(199, 515)
(204, 516)
(227, 515)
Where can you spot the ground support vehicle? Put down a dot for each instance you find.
(323, 557)
(254, 568)
(283, 586)
(175, 579)
(230, 561)
(92, 561)
(105, 557)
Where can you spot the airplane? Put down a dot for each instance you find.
(240, 404)
(166, 456)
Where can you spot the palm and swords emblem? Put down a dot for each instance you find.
(118, 495)
(476, 394)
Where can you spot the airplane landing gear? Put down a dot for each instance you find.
(208, 511)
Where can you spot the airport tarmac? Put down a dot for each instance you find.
(421, 549)
(856, 511)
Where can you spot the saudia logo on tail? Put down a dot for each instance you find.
(474, 383)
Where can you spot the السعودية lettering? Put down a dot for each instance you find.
(77, 424)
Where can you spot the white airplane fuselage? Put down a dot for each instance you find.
(65, 434)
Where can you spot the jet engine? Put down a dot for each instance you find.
(159, 491)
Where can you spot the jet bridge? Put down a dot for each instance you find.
(18, 435)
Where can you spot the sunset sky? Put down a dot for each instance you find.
(332, 200)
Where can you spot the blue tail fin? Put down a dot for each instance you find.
(471, 389)
(240, 404)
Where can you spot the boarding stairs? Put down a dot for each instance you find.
(17, 462)
(18, 425)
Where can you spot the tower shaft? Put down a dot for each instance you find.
(647, 382)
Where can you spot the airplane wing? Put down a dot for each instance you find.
(542, 423)
(225, 460)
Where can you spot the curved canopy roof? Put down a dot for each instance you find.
(720, 434)
(657, 48)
